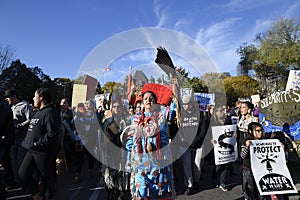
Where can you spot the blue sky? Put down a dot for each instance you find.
(59, 35)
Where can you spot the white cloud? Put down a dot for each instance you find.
(216, 36)
(180, 24)
(243, 5)
(293, 9)
(221, 41)
(160, 14)
(261, 26)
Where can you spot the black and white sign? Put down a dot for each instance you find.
(269, 167)
(225, 148)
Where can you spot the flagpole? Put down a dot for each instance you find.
(103, 74)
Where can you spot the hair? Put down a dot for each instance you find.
(278, 135)
(80, 105)
(1, 94)
(249, 104)
(215, 107)
(138, 101)
(286, 127)
(45, 93)
(252, 126)
(154, 96)
(116, 101)
(66, 99)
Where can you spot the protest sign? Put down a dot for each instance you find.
(279, 108)
(79, 94)
(225, 148)
(91, 83)
(269, 167)
(293, 82)
(186, 92)
(204, 100)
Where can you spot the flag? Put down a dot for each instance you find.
(107, 69)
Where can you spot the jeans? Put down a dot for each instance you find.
(187, 167)
(42, 163)
(4, 149)
(250, 189)
(17, 153)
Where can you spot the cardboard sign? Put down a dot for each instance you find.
(269, 168)
(226, 148)
(91, 86)
(79, 94)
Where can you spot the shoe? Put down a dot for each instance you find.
(196, 185)
(188, 191)
(76, 178)
(223, 187)
(14, 186)
(215, 183)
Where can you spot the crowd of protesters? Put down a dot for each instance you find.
(34, 137)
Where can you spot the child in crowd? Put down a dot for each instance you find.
(255, 132)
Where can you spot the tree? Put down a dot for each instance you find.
(214, 84)
(276, 52)
(239, 86)
(21, 78)
(197, 84)
(64, 88)
(26, 80)
(7, 54)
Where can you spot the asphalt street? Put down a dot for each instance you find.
(91, 186)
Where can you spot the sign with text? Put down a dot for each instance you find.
(225, 147)
(269, 167)
(204, 100)
(293, 82)
(279, 108)
(186, 92)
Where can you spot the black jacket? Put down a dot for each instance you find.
(7, 132)
(43, 131)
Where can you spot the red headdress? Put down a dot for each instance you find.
(162, 92)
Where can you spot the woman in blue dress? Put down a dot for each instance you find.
(148, 161)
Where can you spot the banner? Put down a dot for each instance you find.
(225, 148)
(293, 82)
(279, 108)
(204, 100)
(269, 167)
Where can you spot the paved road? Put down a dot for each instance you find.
(91, 187)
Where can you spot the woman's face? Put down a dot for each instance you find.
(138, 108)
(244, 109)
(257, 132)
(116, 108)
(148, 101)
(219, 113)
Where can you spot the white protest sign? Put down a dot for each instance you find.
(225, 148)
(269, 167)
(293, 82)
(186, 92)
